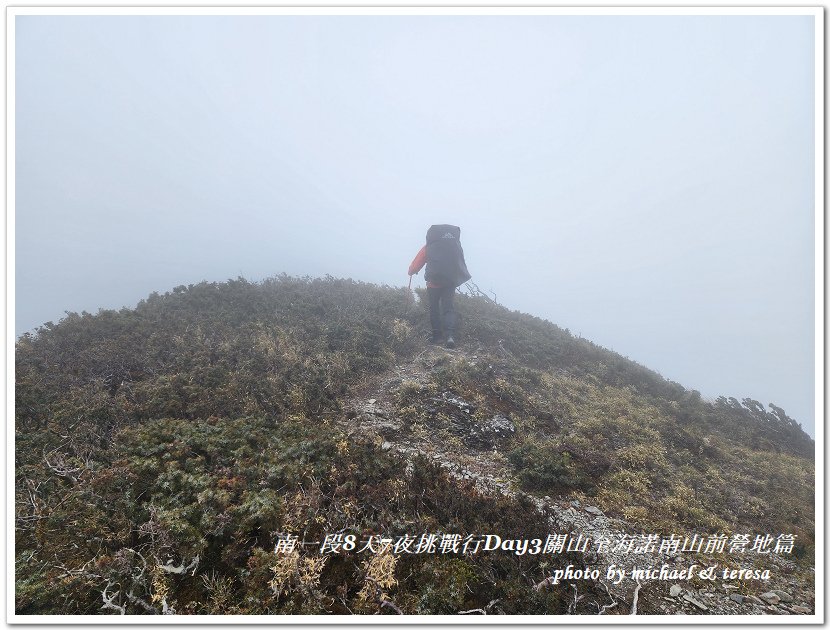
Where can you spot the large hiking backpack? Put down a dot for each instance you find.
(445, 257)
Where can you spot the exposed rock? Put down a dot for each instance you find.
(737, 597)
(804, 610)
(770, 597)
(372, 401)
(783, 596)
(593, 510)
(695, 602)
(456, 401)
(500, 424)
(675, 590)
(754, 600)
(486, 433)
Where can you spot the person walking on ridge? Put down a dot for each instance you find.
(446, 270)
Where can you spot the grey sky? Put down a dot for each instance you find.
(646, 182)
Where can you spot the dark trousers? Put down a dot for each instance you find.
(441, 305)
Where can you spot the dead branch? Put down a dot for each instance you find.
(108, 602)
(613, 603)
(143, 559)
(165, 609)
(607, 591)
(543, 584)
(636, 594)
(61, 470)
(137, 600)
(72, 573)
(577, 599)
(505, 352)
(473, 290)
(390, 604)
(480, 611)
(380, 599)
(34, 498)
(169, 568)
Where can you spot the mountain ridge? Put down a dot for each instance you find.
(564, 420)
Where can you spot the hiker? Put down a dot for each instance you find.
(446, 270)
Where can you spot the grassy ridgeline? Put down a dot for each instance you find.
(202, 422)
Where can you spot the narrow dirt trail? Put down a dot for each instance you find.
(374, 413)
(472, 452)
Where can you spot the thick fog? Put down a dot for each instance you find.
(646, 182)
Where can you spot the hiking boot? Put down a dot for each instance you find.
(436, 338)
(450, 342)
